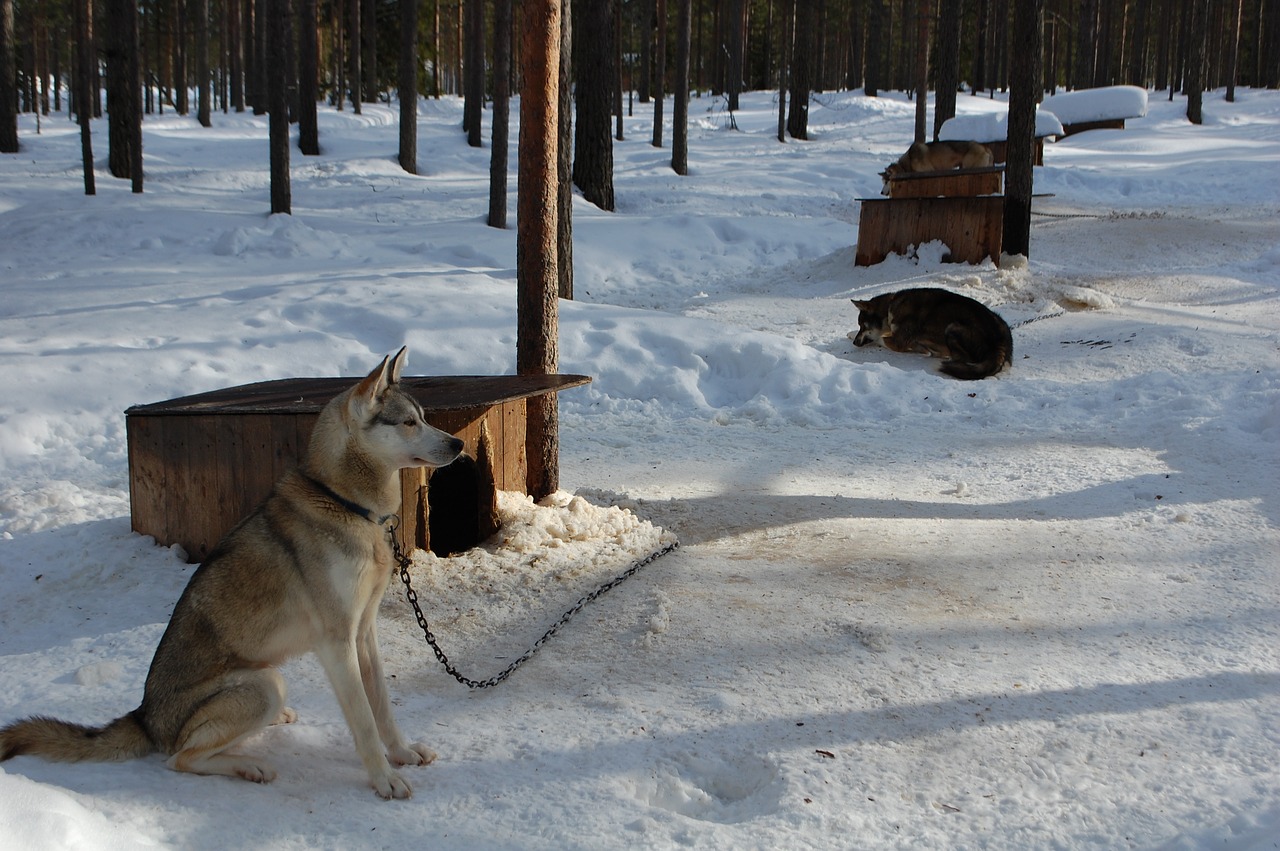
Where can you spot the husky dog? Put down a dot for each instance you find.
(305, 571)
(939, 156)
(974, 341)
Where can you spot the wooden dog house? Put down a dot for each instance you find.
(198, 464)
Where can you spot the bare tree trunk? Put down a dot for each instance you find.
(8, 81)
(204, 83)
(501, 113)
(801, 71)
(1195, 61)
(537, 345)
(277, 30)
(564, 157)
(680, 112)
(1234, 61)
(355, 76)
(593, 91)
(924, 11)
(85, 91)
(788, 13)
(473, 73)
(308, 72)
(660, 74)
(948, 64)
(1024, 93)
(408, 85)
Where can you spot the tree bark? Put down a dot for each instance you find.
(660, 73)
(1195, 61)
(408, 85)
(924, 11)
(355, 76)
(277, 29)
(473, 71)
(1024, 93)
(85, 93)
(501, 113)
(8, 81)
(537, 346)
(593, 144)
(564, 157)
(948, 64)
(308, 73)
(801, 70)
(680, 112)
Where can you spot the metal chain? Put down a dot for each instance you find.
(404, 561)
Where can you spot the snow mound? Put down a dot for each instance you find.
(994, 126)
(1102, 104)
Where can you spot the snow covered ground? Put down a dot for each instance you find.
(1037, 611)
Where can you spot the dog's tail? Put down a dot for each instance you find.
(973, 358)
(63, 741)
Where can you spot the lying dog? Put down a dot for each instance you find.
(973, 340)
(939, 156)
(305, 571)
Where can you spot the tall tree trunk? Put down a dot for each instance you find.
(801, 71)
(204, 81)
(1195, 60)
(924, 12)
(1024, 93)
(408, 85)
(593, 146)
(644, 81)
(660, 73)
(235, 60)
(501, 113)
(8, 81)
(473, 69)
(680, 111)
(948, 64)
(875, 76)
(85, 92)
(369, 49)
(124, 95)
(355, 76)
(735, 11)
(1233, 64)
(537, 345)
(277, 30)
(788, 13)
(564, 157)
(308, 76)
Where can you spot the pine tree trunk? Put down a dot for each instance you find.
(277, 29)
(680, 111)
(1195, 61)
(924, 11)
(660, 73)
(308, 74)
(948, 64)
(593, 145)
(8, 81)
(564, 157)
(801, 71)
(1024, 93)
(204, 87)
(537, 345)
(407, 88)
(85, 93)
(355, 76)
(501, 113)
(473, 70)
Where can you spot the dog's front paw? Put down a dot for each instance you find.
(414, 754)
(391, 785)
(287, 716)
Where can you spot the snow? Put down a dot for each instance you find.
(1036, 611)
(994, 126)
(1101, 104)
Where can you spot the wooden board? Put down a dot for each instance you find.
(960, 182)
(971, 228)
(198, 464)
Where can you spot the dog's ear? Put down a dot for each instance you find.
(372, 385)
(397, 364)
(861, 305)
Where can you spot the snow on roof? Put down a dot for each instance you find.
(1103, 104)
(994, 126)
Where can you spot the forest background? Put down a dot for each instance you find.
(194, 56)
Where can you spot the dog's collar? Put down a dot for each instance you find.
(354, 507)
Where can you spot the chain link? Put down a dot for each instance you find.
(404, 561)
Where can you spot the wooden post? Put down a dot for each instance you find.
(537, 266)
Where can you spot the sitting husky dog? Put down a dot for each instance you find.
(974, 341)
(305, 571)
